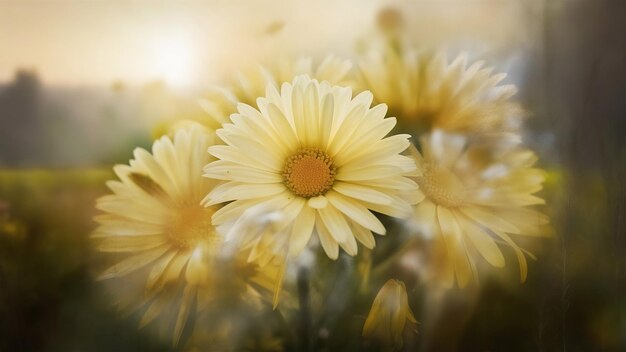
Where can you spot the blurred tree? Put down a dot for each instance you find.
(20, 118)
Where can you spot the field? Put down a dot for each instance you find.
(50, 302)
(49, 299)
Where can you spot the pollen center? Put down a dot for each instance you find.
(309, 173)
(441, 186)
(190, 225)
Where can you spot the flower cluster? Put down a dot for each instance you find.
(317, 159)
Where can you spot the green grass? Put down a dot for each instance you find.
(48, 299)
(50, 302)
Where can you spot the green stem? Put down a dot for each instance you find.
(384, 265)
(305, 308)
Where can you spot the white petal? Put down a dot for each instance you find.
(364, 236)
(326, 120)
(302, 230)
(236, 191)
(119, 227)
(224, 170)
(259, 122)
(283, 126)
(356, 211)
(245, 126)
(232, 154)
(368, 173)
(183, 312)
(311, 114)
(364, 140)
(126, 209)
(452, 235)
(350, 245)
(345, 130)
(489, 219)
(174, 269)
(154, 170)
(318, 202)
(165, 154)
(130, 243)
(133, 263)
(396, 183)
(232, 211)
(483, 242)
(272, 161)
(376, 150)
(158, 268)
(398, 208)
(331, 247)
(426, 218)
(367, 194)
(523, 265)
(335, 223)
(299, 117)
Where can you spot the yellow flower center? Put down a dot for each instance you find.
(441, 186)
(190, 225)
(309, 173)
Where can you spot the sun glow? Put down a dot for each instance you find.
(174, 60)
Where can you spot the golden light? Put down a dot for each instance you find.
(174, 60)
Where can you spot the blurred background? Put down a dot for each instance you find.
(82, 83)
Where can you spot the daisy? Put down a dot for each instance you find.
(427, 92)
(155, 221)
(312, 159)
(473, 200)
(221, 103)
(389, 315)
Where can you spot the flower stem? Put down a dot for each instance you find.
(305, 308)
(392, 259)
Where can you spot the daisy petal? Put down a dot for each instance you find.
(357, 212)
(331, 247)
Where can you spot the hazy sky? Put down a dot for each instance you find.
(74, 42)
(193, 42)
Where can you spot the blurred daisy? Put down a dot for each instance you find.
(154, 219)
(311, 159)
(388, 318)
(473, 200)
(221, 103)
(426, 92)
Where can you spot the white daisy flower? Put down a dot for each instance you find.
(154, 220)
(318, 159)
